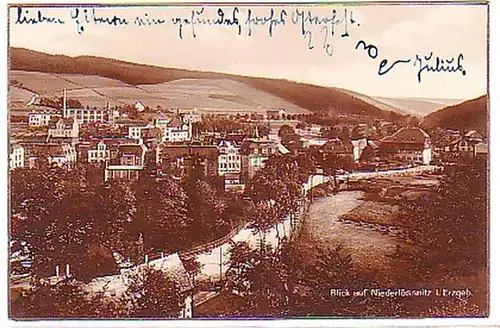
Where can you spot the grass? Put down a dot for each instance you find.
(374, 212)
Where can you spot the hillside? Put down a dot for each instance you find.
(471, 114)
(305, 96)
(418, 106)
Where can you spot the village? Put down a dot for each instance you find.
(135, 144)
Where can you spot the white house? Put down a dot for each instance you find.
(229, 158)
(16, 156)
(135, 131)
(66, 155)
(41, 118)
(100, 155)
(139, 106)
(358, 146)
(63, 128)
(176, 131)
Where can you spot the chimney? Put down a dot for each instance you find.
(64, 103)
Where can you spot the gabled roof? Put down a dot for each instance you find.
(67, 122)
(151, 133)
(175, 123)
(250, 144)
(408, 135)
(227, 143)
(337, 146)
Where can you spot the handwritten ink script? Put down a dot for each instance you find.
(426, 63)
(243, 21)
(317, 31)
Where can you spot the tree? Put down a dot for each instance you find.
(65, 300)
(285, 130)
(154, 295)
(276, 190)
(452, 223)
(261, 277)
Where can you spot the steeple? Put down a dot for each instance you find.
(256, 133)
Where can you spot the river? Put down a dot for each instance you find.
(371, 247)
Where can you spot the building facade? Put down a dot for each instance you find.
(128, 162)
(101, 154)
(229, 158)
(63, 128)
(16, 156)
(412, 145)
(177, 131)
(41, 118)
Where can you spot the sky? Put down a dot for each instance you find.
(396, 32)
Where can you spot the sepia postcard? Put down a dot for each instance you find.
(248, 161)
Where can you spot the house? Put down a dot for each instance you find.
(229, 157)
(481, 150)
(177, 131)
(369, 152)
(255, 153)
(358, 147)
(101, 154)
(16, 156)
(338, 147)
(60, 154)
(134, 130)
(160, 121)
(191, 118)
(151, 136)
(87, 115)
(128, 162)
(116, 285)
(408, 144)
(275, 114)
(41, 118)
(230, 165)
(463, 143)
(183, 159)
(63, 128)
(139, 106)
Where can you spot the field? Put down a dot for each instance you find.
(92, 81)
(40, 83)
(19, 95)
(204, 94)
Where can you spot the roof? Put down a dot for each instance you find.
(52, 149)
(151, 133)
(282, 149)
(188, 149)
(408, 135)
(481, 148)
(175, 123)
(13, 146)
(227, 143)
(68, 123)
(118, 167)
(131, 149)
(337, 146)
